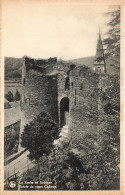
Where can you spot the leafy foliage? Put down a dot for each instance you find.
(38, 136)
(9, 96)
(112, 41)
(62, 168)
(94, 168)
(17, 96)
(11, 139)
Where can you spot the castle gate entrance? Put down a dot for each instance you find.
(64, 111)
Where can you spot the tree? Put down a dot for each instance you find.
(62, 168)
(95, 168)
(38, 136)
(9, 96)
(17, 96)
(112, 42)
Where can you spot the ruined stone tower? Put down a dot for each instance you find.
(68, 93)
(39, 91)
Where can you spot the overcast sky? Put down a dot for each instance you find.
(42, 30)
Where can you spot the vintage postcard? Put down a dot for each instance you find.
(61, 97)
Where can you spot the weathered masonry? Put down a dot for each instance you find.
(52, 87)
(70, 94)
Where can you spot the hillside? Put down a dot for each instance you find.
(112, 63)
(13, 67)
(88, 61)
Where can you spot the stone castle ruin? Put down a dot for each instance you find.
(74, 96)
(71, 95)
(84, 103)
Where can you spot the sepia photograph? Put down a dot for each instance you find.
(61, 82)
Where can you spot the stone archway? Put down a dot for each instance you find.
(64, 111)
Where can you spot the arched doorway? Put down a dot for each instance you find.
(64, 111)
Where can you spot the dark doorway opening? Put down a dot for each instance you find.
(64, 111)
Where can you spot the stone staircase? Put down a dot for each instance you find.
(63, 136)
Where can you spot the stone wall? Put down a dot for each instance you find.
(88, 95)
(62, 91)
(42, 91)
(83, 105)
(93, 99)
(39, 95)
(109, 86)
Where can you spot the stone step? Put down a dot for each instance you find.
(65, 129)
(66, 126)
(56, 142)
(63, 135)
(60, 140)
